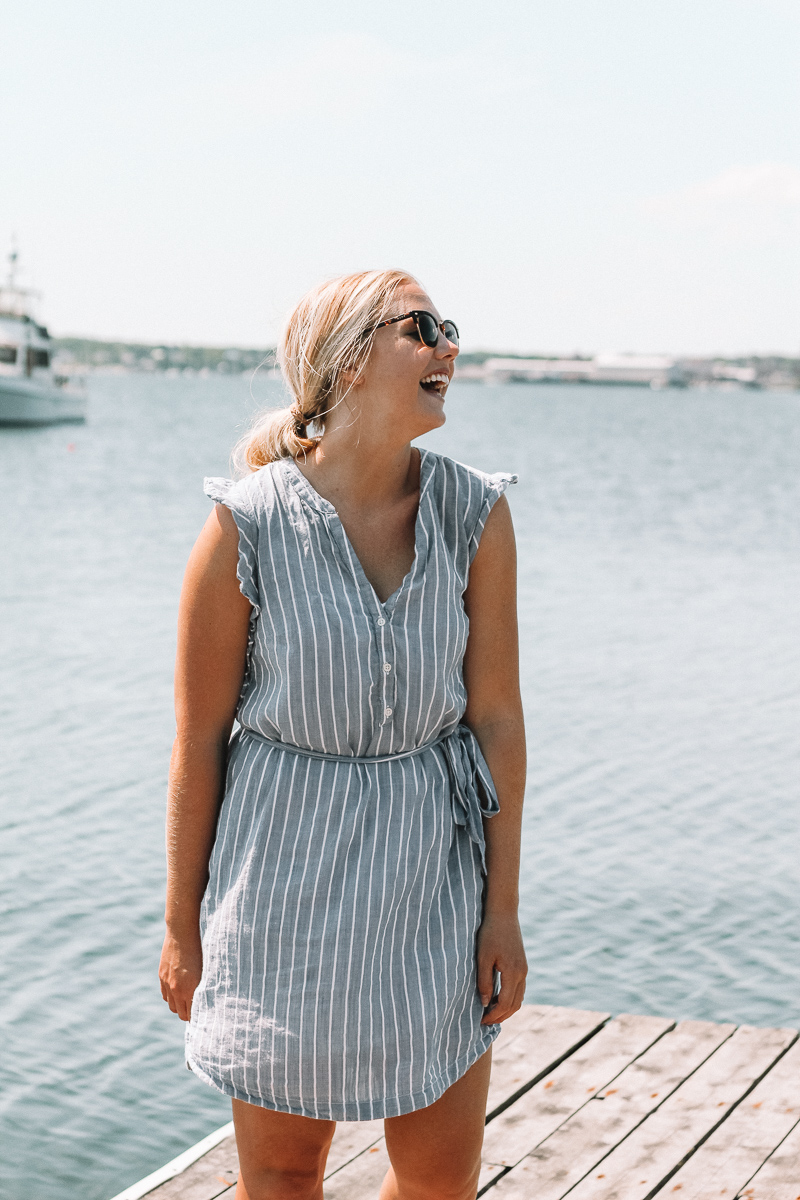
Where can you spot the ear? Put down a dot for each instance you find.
(352, 378)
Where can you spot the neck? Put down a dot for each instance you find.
(363, 465)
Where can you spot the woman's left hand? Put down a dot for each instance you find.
(500, 948)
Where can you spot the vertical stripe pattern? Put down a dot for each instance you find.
(344, 898)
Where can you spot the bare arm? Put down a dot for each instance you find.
(212, 643)
(494, 714)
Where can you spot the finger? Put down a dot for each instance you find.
(485, 979)
(504, 1003)
(519, 995)
(181, 1003)
(514, 1004)
(495, 1006)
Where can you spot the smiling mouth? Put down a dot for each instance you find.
(435, 384)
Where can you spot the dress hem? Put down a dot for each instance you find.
(359, 1110)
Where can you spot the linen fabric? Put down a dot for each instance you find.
(344, 894)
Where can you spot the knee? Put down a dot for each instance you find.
(447, 1185)
(295, 1183)
(455, 1190)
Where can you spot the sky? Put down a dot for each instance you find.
(579, 175)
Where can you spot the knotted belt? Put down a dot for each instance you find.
(472, 790)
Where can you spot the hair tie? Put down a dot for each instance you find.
(298, 415)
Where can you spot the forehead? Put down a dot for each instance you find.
(411, 296)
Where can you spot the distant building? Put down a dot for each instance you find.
(723, 370)
(640, 370)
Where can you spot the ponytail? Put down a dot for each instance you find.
(280, 433)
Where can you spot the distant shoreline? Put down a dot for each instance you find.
(757, 372)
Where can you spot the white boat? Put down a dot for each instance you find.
(32, 392)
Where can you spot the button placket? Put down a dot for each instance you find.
(386, 659)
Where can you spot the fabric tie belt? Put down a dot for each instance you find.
(472, 790)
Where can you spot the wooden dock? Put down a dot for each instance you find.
(592, 1108)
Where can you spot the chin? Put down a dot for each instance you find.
(425, 423)
(434, 417)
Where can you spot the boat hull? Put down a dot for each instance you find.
(28, 402)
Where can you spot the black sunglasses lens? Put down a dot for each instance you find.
(428, 329)
(450, 332)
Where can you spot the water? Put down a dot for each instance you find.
(658, 541)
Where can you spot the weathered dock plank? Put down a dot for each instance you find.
(534, 1047)
(725, 1164)
(585, 1139)
(539, 1112)
(360, 1179)
(211, 1176)
(589, 1109)
(646, 1160)
(779, 1178)
(350, 1139)
(180, 1167)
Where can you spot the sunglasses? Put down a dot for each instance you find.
(428, 327)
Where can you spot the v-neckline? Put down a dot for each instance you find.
(311, 496)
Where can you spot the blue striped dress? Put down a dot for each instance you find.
(346, 878)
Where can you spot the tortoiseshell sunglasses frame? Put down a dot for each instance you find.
(416, 313)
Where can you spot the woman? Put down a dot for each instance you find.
(342, 888)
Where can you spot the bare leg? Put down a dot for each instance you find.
(281, 1156)
(436, 1151)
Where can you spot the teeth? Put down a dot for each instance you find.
(436, 379)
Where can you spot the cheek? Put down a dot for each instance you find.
(405, 370)
(395, 370)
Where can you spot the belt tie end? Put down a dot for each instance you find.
(473, 792)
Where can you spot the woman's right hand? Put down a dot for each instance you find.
(179, 971)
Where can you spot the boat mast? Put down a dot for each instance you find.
(16, 301)
(12, 264)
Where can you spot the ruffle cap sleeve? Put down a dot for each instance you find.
(494, 486)
(234, 496)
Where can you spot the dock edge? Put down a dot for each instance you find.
(173, 1168)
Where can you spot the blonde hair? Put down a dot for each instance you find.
(323, 338)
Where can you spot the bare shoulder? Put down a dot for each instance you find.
(215, 555)
(497, 545)
(490, 595)
(220, 528)
(213, 621)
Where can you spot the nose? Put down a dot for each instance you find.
(445, 348)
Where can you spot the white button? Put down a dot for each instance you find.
(387, 667)
(387, 712)
(381, 620)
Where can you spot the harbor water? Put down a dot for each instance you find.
(659, 551)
